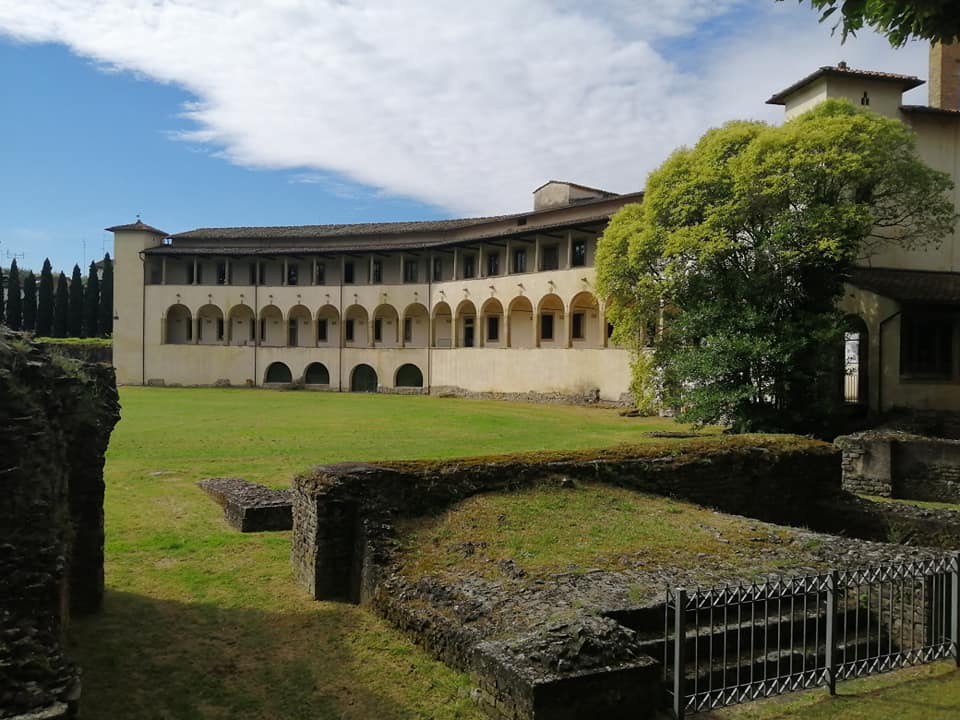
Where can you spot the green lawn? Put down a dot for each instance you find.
(201, 622)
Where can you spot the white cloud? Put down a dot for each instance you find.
(465, 105)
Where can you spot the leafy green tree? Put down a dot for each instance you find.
(14, 301)
(45, 301)
(91, 302)
(61, 308)
(899, 20)
(105, 322)
(75, 313)
(29, 301)
(741, 247)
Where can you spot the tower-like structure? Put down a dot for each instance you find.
(129, 241)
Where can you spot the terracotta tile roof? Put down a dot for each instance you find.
(908, 82)
(138, 225)
(919, 286)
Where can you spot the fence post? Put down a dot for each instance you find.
(955, 608)
(833, 582)
(679, 651)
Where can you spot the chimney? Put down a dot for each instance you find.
(945, 76)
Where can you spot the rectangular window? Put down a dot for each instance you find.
(348, 330)
(322, 330)
(378, 330)
(468, 266)
(261, 273)
(377, 271)
(408, 330)
(519, 261)
(579, 258)
(926, 345)
(189, 330)
(189, 273)
(321, 274)
(348, 272)
(221, 273)
(410, 273)
(546, 327)
(293, 273)
(253, 330)
(578, 325)
(199, 273)
(252, 277)
(437, 269)
(292, 335)
(549, 257)
(219, 328)
(493, 264)
(263, 329)
(493, 328)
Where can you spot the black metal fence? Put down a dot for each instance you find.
(738, 643)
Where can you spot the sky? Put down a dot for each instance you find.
(199, 113)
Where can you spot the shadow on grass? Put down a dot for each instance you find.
(152, 659)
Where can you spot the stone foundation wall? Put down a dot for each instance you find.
(900, 465)
(84, 352)
(56, 416)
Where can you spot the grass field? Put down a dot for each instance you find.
(201, 622)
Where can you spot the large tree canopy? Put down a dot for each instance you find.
(899, 20)
(740, 248)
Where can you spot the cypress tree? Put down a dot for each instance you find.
(75, 316)
(91, 303)
(30, 301)
(105, 322)
(61, 308)
(14, 302)
(45, 301)
(3, 305)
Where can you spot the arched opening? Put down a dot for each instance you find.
(409, 375)
(316, 374)
(585, 329)
(550, 331)
(386, 324)
(855, 361)
(299, 332)
(271, 327)
(416, 326)
(178, 324)
(466, 326)
(491, 323)
(520, 323)
(363, 379)
(328, 327)
(442, 326)
(355, 326)
(241, 326)
(210, 325)
(277, 374)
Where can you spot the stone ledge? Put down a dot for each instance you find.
(249, 507)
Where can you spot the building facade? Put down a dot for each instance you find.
(489, 305)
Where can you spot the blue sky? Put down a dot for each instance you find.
(202, 113)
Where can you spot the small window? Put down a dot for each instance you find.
(377, 271)
(410, 271)
(189, 329)
(550, 258)
(926, 345)
(263, 329)
(262, 273)
(493, 328)
(292, 334)
(519, 261)
(189, 273)
(293, 274)
(579, 325)
(348, 330)
(321, 274)
(408, 330)
(221, 273)
(220, 328)
(865, 100)
(469, 269)
(437, 269)
(378, 330)
(252, 276)
(322, 330)
(252, 325)
(348, 273)
(493, 264)
(546, 327)
(579, 258)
